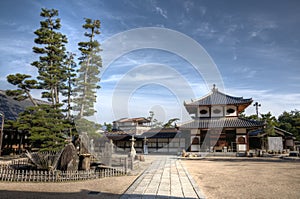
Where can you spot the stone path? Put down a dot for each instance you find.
(164, 178)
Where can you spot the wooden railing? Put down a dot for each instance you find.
(56, 176)
(19, 171)
(14, 172)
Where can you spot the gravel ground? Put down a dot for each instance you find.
(246, 179)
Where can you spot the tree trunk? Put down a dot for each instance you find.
(31, 98)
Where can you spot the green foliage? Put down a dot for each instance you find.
(108, 126)
(250, 117)
(87, 80)
(52, 50)
(170, 124)
(290, 121)
(24, 86)
(69, 67)
(270, 123)
(85, 126)
(46, 126)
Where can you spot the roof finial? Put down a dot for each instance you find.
(214, 88)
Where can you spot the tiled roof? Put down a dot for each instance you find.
(152, 133)
(137, 119)
(160, 133)
(261, 132)
(229, 122)
(218, 98)
(11, 108)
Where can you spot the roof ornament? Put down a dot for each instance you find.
(214, 89)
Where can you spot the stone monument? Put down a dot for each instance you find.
(145, 146)
(132, 151)
(107, 153)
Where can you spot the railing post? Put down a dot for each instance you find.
(126, 164)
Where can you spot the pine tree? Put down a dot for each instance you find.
(70, 83)
(52, 51)
(90, 61)
(46, 126)
(24, 86)
(270, 123)
(45, 123)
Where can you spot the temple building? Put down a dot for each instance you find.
(135, 126)
(216, 125)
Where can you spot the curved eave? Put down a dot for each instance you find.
(231, 122)
(192, 108)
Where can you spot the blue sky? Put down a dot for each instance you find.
(254, 45)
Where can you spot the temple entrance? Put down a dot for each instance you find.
(225, 142)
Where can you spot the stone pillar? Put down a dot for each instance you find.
(132, 151)
(84, 162)
(145, 146)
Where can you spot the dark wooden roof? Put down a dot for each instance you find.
(152, 133)
(228, 122)
(160, 133)
(11, 108)
(216, 97)
(279, 131)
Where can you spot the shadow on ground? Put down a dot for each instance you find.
(243, 159)
(74, 195)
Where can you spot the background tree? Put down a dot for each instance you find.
(108, 126)
(270, 123)
(89, 127)
(290, 121)
(170, 123)
(90, 61)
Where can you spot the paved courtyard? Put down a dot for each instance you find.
(164, 178)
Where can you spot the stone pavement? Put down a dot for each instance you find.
(164, 178)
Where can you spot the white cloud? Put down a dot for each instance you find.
(261, 27)
(162, 12)
(276, 103)
(188, 5)
(111, 78)
(244, 71)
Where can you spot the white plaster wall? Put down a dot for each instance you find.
(242, 147)
(203, 108)
(231, 114)
(217, 114)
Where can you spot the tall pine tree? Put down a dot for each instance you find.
(69, 66)
(52, 52)
(45, 123)
(90, 61)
